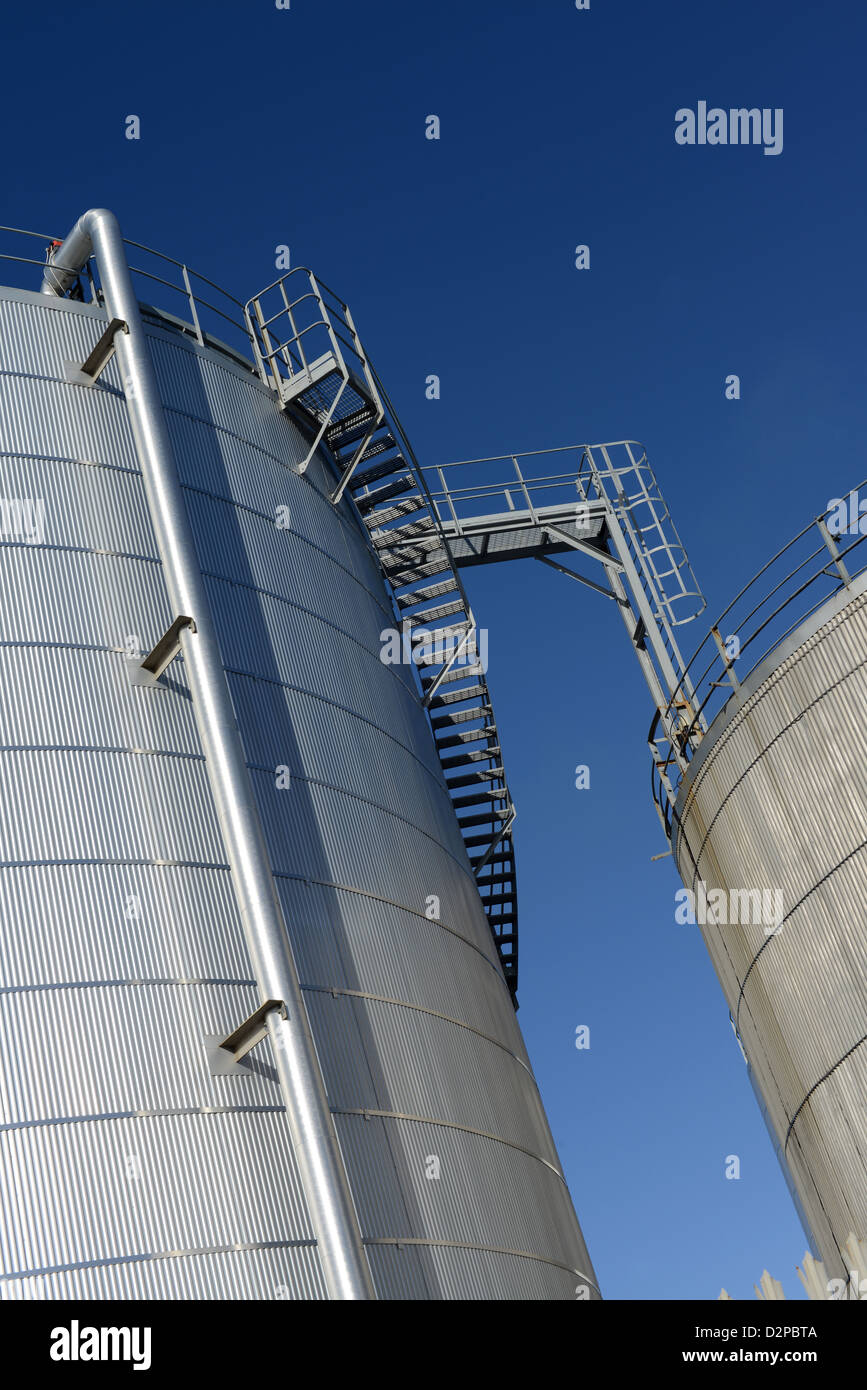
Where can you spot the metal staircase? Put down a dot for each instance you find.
(307, 349)
(607, 507)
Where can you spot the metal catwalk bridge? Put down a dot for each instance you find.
(606, 509)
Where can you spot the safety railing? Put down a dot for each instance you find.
(820, 561)
(616, 474)
(170, 287)
(295, 323)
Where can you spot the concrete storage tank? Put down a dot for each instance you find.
(767, 809)
(144, 1150)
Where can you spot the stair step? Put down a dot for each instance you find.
(375, 520)
(347, 433)
(428, 591)
(342, 425)
(473, 779)
(479, 797)
(454, 697)
(402, 562)
(484, 818)
(373, 450)
(432, 615)
(499, 856)
(448, 721)
(379, 470)
(507, 876)
(401, 579)
(416, 531)
(508, 919)
(495, 898)
(473, 756)
(439, 645)
(477, 841)
(457, 673)
(366, 501)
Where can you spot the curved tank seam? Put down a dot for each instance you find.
(368, 1113)
(818, 1083)
(200, 758)
(278, 874)
(389, 902)
(65, 458)
(326, 700)
(367, 801)
(237, 505)
(132, 981)
(146, 1257)
(199, 982)
(480, 1249)
(824, 879)
(30, 643)
(67, 549)
(335, 990)
(113, 863)
(159, 1113)
(311, 613)
(759, 756)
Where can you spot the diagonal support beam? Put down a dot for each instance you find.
(600, 589)
(601, 555)
(92, 368)
(167, 647)
(252, 1030)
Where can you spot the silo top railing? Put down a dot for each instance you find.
(209, 306)
(819, 562)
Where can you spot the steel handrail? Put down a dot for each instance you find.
(719, 673)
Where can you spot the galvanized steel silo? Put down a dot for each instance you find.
(128, 1168)
(772, 813)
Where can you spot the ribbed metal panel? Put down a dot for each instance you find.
(778, 800)
(120, 931)
(406, 1271)
(279, 1272)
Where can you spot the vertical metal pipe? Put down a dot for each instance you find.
(314, 1137)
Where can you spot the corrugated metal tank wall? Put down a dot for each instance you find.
(776, 798)
(127, 1169)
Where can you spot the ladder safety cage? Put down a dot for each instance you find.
(818, 563)
(307, 350)
(607, 507)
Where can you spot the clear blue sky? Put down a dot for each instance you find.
(261, 126)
